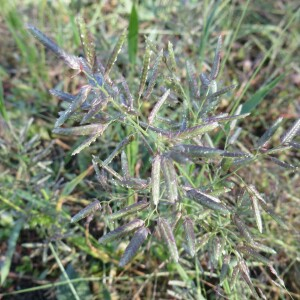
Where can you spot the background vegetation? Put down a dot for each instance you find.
(41, 185)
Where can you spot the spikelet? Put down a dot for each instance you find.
(282, 164)
(157, 106)
(255, 206)
(242, 228)
(137, 240)
(188, 227)
(62, 95)
(167, 234)
(216, 64)
(79, 99)
(223, 91)
(146, 63)
(129, 98)
(224, 268)
(113, 57)
(87, 43)
(124, 165)
(290, 133)
(89, 210)
(95, 108)
(207, 201)
(129, 210)
(252, 191)
(263, 248)
(96, 160)
(193, 131)
(251, 252)
(171, 57)
(234, 276)
(264, 139)
(91, 139)
(154, 75)
(170, 178)
(194, 151)
(121, 231)
(244, 271)
(295, 145)
(193, 83)
(118, 149)
(134, 183)
(225, 118)
(155, 179)
(80, 130)
(72, 61)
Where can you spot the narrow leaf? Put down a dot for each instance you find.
(137, 240)
(121, 231)
(11, 247)
(89, 210)
(133, 30)
(258, 97)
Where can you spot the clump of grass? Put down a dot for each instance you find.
(189, 175)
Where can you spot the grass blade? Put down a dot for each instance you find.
(3, 112)
(133, 31)
(12, 242)
(258, 97)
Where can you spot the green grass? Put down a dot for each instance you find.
(260, 52)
